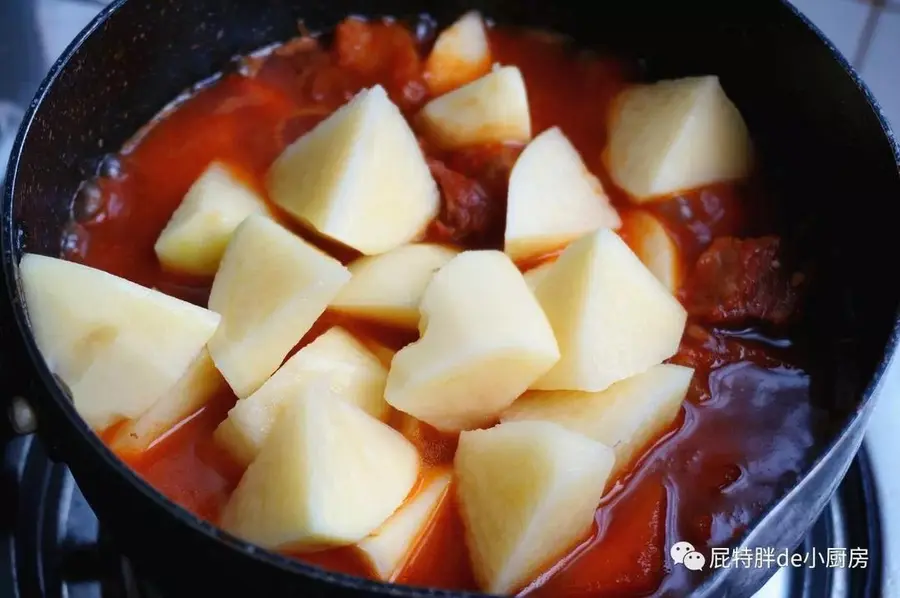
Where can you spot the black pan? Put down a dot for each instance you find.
(820, 134)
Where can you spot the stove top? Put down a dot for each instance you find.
(51, 544)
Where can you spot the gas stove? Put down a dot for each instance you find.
(52, 545)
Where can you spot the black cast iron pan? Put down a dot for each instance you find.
(819, 132)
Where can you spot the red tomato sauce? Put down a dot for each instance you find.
(745, 432)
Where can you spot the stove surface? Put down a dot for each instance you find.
(51, 544)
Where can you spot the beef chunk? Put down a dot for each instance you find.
(736, 281)
(468, 215)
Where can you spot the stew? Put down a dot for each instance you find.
(743, 434)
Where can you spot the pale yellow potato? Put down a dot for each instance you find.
(196, 235)
(389, 548)
(435, 447)
(270, 289)
(199, 384)
(484, 341)
(492, 109)
(387, 288)
(328, 475)
(238, 444)
(359, 177)
(676, 135)
(611, 317)
(654, 246)
(384, 353)
(527, 493)
(553, 198)
(460, 55)
(533, 276)
(336, 364)
(117, 346)
(626, 416)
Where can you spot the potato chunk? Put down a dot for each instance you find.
(117, 346)
(533, 276)
(199, 384)
(653, 245)
(359, 177)
(460, 55)
(484, 341)
(612, 318)
(328, 475)
(553, 198)
(676, 135)
(270, 289)
(626, 416)
(384, 353)
(199, 230)
(338, 364)
(492, 109)
(527, 493)
(388, 549)
(387, 288)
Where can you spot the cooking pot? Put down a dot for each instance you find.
(821, 138)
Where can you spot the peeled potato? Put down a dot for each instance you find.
(339, 365)
(611, 317)
(328, 475)
(460, 55)
(359, 177)
(384, 353)
(626, 416)
(435, 447)
(535, 275)
(676, 135)
(553, 198)
(387, 288)
(270, 289)
(527, 493)
(117, 346)
(492, 109)
(199, 230)
(653, 245)
(197, 386)
(388, 549)
(484, 341)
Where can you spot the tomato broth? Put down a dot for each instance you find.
(746, 430)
